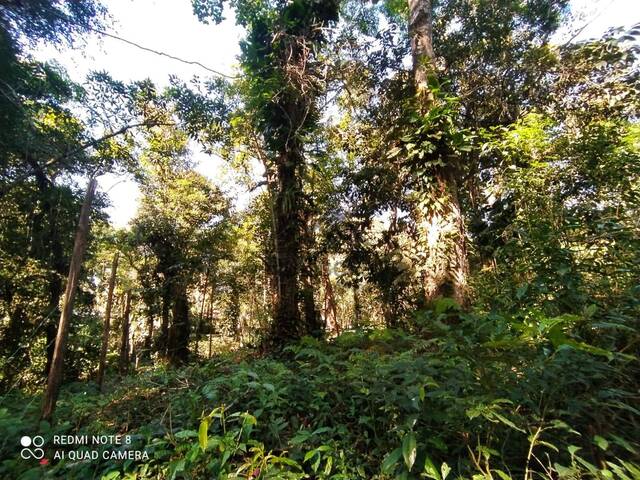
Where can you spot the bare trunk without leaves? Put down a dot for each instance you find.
(107, 320)
(421, 36)
(163, 338)
(124, 340)
(201, 316)
(330, 310)
(357, 308)
(441, 222)
(80, 245)
(210, 320)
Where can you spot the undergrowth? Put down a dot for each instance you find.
(460, 396)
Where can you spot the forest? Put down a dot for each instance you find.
(435, 272)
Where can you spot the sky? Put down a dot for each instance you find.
(169, 26)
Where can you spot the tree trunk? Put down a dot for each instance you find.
(311, 320)
(287, 315)
(178, 351)
(124, 340)
(330, 308)
(441, 223)
(210, 322)
(421, 36)
(163, 339)
(357, 308)
(107, 320)
(201, 316)
(312, 324)
(79, 247)
(148, 341)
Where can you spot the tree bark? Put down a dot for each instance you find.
(163, 338)
(210, 321)
(124, 340)
(421, 36)
(357, 308)
(107, 320)
(148, 341)
(287, 315)
(440, 221)
(202, 304)
(80, 245)
(330, 308)
(178, 351)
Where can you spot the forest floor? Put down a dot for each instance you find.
(378, 404)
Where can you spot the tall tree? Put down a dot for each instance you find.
(283, 80)
(125, 343)
(107, 320)
(55, 372)
(441, 221)
(181, 222)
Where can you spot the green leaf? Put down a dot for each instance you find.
(183, 434)
(431, 471)
(327, 467)
(502, 475)
(203, 437)
(391, 460)
(506, 421)
(602, 443)
(310, 455)
(409, 449)
(445, 303)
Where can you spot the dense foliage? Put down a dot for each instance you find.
(433, 271)
(463, 396)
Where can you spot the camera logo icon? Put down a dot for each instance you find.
(36, 452)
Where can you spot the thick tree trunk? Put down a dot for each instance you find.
(421, 36)
(443, 234)
(178, 351)
(287, 315)
(107, 320)
(124, 339)
(311, 320)
(80, 245)
(312, 324)
(441, 222)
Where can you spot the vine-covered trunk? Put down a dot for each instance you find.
(287, 315)
(442, 235)
(440, 219)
